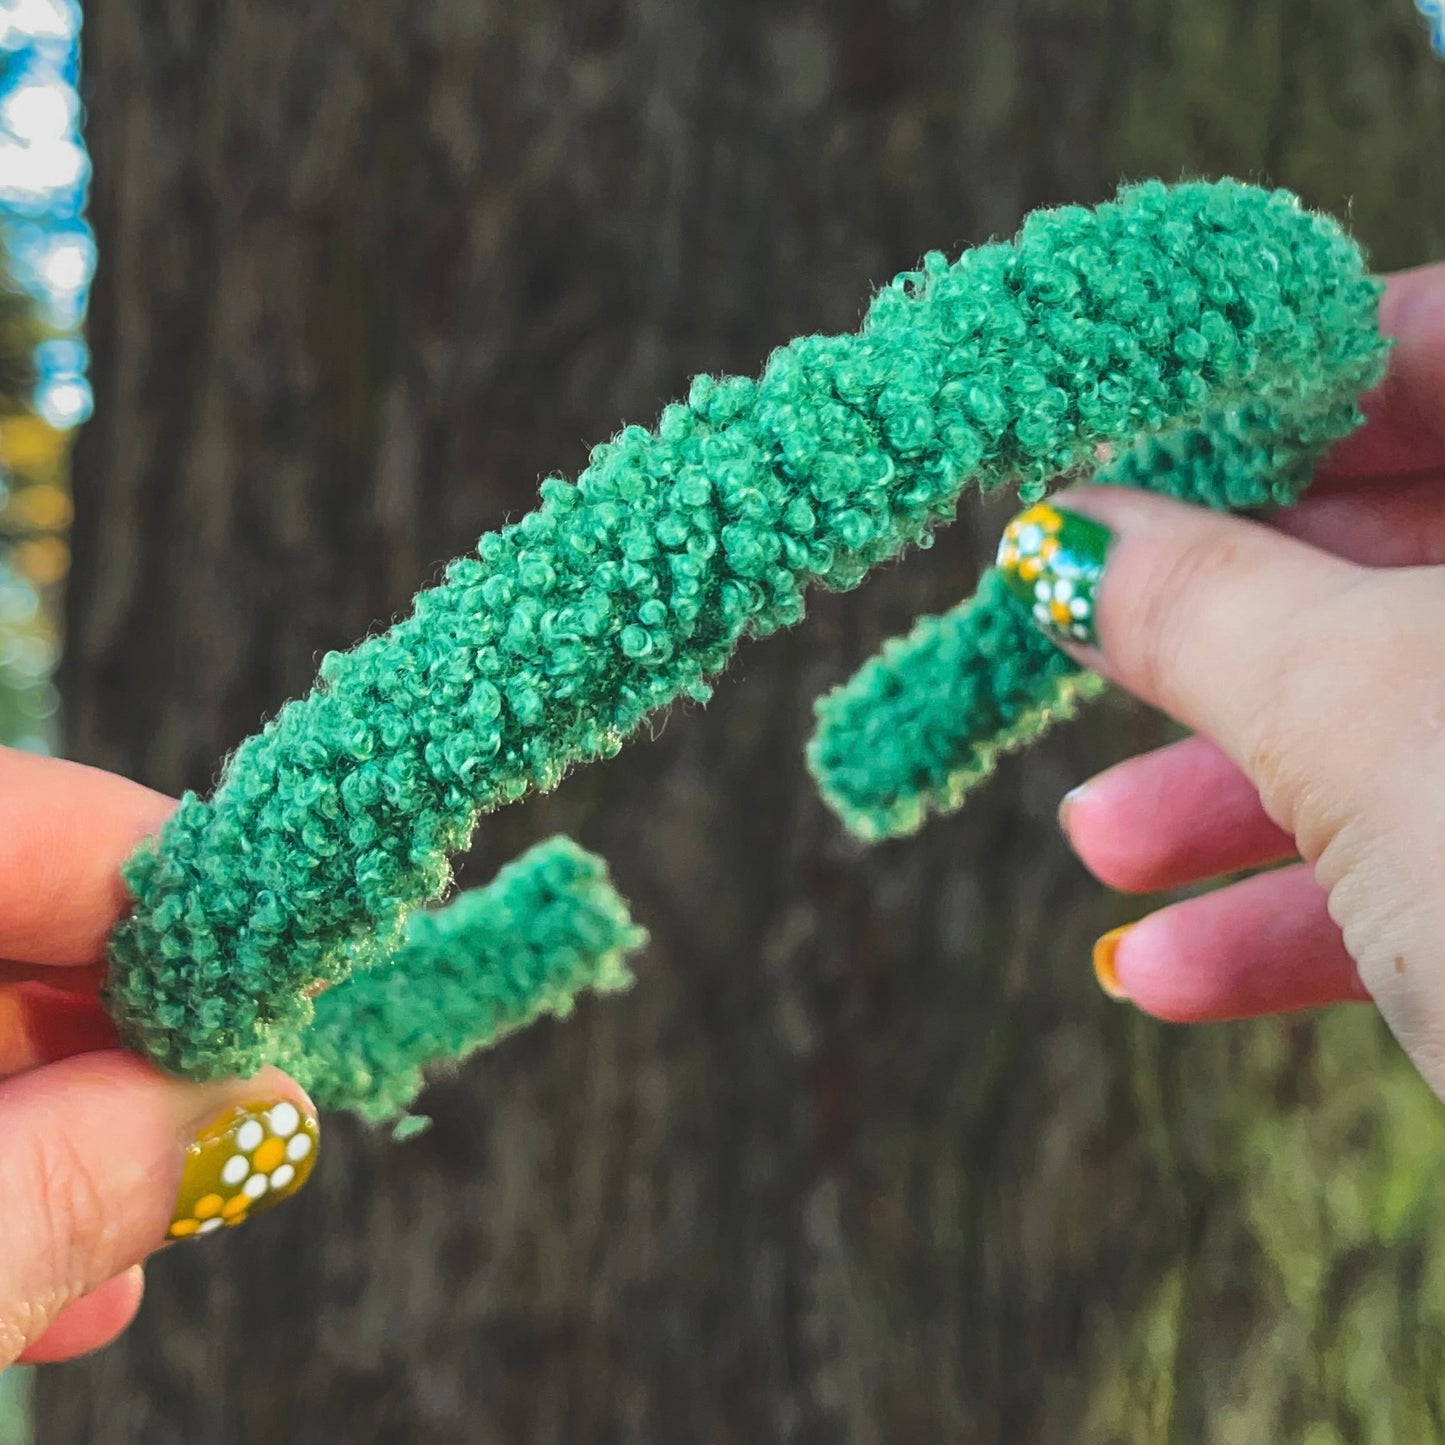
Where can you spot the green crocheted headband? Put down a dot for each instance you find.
(1212, 339)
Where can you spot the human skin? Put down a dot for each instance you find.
(1318, 736)
(95, 1140)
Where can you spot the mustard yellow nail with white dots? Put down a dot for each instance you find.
(247, 1162)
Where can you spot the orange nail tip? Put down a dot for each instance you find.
(245, 1163)
(1104, 966)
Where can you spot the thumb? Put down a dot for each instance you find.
(105, 1159)
(1269, 647)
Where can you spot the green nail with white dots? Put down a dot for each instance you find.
(1052, 561)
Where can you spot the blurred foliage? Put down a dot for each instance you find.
(1355, 129)
(35, 512)
(46, 255)
(21, 332)
(1306, 1160)
(14, 1413)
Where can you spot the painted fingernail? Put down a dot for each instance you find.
(240, 1165)
(1104, 969)
(1052, 561)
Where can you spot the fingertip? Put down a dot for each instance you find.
(1094, 819)
(1263, 946)
(1136, 964)
(1141, 964)
(111, 1157)
(1177, 815)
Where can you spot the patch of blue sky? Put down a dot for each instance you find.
(1434, 13)
(44, 180)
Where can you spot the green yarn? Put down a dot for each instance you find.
(633, 586)
(924, 721)
(491, 962)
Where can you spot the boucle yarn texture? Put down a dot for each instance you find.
(491, 962)
(923, 722)
(1212, 337)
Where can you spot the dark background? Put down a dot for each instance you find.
(865, 1156)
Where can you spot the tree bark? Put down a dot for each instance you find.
(864, 1157)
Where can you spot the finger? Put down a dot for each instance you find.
(64, 832)
(1181, 814)
(40, 1025)
(1405, 432)
(1303, 668)
(90, 1323)
(1266, 945)
(1316, 677)
(106, 1158)
(1389, 524)
(83, 978)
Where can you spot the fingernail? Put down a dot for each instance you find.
(1104, 970)
(1052, 561)
(240, 1165)
(1066, 811)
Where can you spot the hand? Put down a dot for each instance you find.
(102, 1157)
(1307, 651)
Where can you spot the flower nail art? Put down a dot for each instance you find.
(1052, 561)
(247, 1162)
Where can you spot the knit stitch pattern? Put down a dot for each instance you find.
(632, 586)
(492, 961)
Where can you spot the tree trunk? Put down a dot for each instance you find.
(865, 1156)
